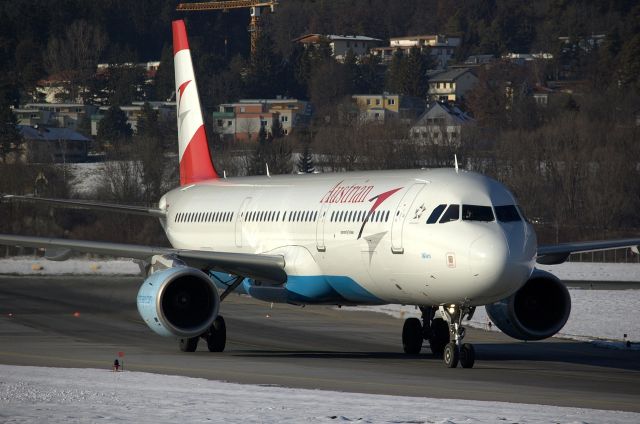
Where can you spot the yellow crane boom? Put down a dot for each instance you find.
(256, 7)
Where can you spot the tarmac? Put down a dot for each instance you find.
(84, 322)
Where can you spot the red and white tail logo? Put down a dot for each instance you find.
(195, 160)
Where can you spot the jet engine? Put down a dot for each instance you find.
(181, 302)
(538, 310)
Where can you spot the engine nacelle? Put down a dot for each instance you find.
(180, 302)
(538, 310)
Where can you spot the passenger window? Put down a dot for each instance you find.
(452, 214)
(477, 213)
(507, 213)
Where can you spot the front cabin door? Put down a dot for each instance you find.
(401, 215)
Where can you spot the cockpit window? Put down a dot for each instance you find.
(477, 213)
(452, 214)
(507, 213)
(433, 218)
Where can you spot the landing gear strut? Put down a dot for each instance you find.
(216, 338)
(456, 351)
(444, 333)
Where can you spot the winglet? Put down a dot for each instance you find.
(195, 159)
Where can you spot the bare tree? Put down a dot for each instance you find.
(74, 55)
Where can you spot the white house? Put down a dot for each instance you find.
(341, 44)
(440, 47)
(451, 85)
(441, 123)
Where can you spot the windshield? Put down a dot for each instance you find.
(452, 214)
(477, 213)
(507, 213)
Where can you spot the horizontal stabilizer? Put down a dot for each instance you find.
(88, 204)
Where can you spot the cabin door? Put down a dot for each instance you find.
(402, 214)
(241, 217)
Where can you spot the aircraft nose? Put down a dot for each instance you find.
(488, 255)
(497, 266)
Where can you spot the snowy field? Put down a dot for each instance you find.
(39, 266)
(55, 395)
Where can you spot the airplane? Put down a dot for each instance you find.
(444, 240)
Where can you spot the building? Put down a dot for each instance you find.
(241, 121)
(441, 123)
(50, 144)
(381, 107)
(166, 110)
(440, 47)
(341, 44)
(451, 85)
(479, 59)
(61, 115)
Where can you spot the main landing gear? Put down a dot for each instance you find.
(440, 331)
(216, 335)
(216, 338)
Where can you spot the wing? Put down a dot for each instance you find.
(87, 204)
(554, 254)
(268, 268)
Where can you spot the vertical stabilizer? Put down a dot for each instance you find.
(195, 160)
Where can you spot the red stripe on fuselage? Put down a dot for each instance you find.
(180, 41)
(195, 164)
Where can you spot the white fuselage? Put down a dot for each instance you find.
(363, 235)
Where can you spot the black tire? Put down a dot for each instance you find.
(439, 336)
(467, 355)
(451, 355)
(188, 344)
(217, 337)
(412, 336)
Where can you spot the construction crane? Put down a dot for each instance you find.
(256, 7)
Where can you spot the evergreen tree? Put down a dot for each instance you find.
(10, 137)
(305, 161)
(113, 129)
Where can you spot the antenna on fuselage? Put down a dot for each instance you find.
(455, 159)
(267, 166)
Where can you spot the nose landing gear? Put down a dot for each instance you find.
(456, 351)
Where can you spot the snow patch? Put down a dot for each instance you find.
(56, 395)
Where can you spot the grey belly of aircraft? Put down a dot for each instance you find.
(85, 321)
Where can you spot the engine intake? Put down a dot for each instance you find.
(180, 301)
(538, 310)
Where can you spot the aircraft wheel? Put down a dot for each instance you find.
(467, 355)
(188, 344)
(217, 337)
(412, 336)
(439, 336)
(451, 355)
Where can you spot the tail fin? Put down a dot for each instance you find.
(195, 160)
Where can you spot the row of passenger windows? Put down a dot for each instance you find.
(287, 216)
(359, 216)
(274, 216)
(507, 213)
(204, 217)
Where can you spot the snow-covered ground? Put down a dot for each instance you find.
(23, 265)
(52, 395)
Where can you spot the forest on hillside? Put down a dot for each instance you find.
(36, 36)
